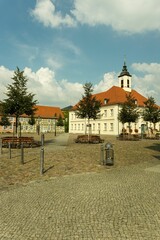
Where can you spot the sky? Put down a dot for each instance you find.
(62, 44)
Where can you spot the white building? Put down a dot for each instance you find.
(46, 118)
(111, 99)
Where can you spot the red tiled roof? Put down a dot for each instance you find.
(117, 95)
(48, 112)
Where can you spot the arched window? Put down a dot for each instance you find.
(122, 83)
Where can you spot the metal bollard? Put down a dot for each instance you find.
(42, 139)
(109, 154)
(42, 161)
(102, 154)
(10, 154)
(22, 154)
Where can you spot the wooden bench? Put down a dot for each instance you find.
(17, 141)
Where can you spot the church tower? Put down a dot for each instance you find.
(125, 79)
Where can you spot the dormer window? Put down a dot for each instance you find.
(136, 102)
(106, 101)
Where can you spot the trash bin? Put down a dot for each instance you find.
(109, 158)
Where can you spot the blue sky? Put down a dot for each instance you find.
(62, 44)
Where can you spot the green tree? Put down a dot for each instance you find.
(129, 111)
(19, 101)
(66, 120)
(151, 112)
(88, 107)
(5, 121)
(60, 121)
(32, 121)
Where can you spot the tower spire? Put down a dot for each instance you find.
(125, 78)
(124, 70)
(124, 59)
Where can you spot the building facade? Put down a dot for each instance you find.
(112, 99)
(46, 118)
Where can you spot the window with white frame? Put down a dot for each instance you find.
(105, 113)
(111, 112)
(99, 126)
(72, 116)
(82, 126)
(105, 126)
(78, 126)
(71, 126)
(75, 126)
(111, 127)
(93, 126)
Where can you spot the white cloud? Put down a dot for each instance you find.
(109, 80)
(45, 13)
(27, 51)
(124, 15)
(53, 63)
(5, 79)
(148, 83)
(49, 91)
(147, 68)
(68, 45)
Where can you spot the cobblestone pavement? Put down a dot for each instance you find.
(121, 203)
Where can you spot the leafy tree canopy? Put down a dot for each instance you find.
(88, 107)
(129, 111)
(151, 112)
(5, 121)
(19, 101)
(60, 121)
(32, 120)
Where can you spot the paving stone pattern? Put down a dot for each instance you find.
(122, 203)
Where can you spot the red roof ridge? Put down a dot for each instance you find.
(117, 95)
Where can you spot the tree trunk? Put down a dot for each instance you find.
(16, 125)
(129, 134)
